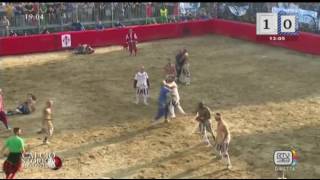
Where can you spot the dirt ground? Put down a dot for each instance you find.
(269, 96)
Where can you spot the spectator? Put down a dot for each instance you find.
(176, 12)
(77, 26)
(45, 31)
(119, 25)
(9, 11)
(99, 26)
(6, 24)
(149, 13)
(12, 34)
(164, 14)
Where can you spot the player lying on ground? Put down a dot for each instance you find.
(27, 107)
(84, 49)
(3, 116)
(175, 100)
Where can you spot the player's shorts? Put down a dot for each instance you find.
(142, 91)
(223, 148)
(13, 164)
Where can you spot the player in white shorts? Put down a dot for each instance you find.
(142, 85)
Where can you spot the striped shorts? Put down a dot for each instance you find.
(223, 148)
(142, 91)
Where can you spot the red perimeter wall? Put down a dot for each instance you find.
(306, 42)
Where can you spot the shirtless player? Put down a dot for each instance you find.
(47, 121)
(223, 139)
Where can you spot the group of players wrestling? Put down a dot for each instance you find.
(169, 100)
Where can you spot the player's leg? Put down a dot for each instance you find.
(171, 110)
(135, 49)
(130, 48)
(4, 119)
(226, 157)
(145, 96)
(180, 109)
(137, 95)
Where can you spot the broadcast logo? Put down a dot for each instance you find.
(285, 160)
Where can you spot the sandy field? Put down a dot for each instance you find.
(269, 96)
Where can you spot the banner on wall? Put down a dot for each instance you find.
(238, 10)
(304, 16)
(65, 40)
(188, 7)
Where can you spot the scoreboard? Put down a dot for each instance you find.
(277, 26)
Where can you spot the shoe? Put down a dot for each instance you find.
(9, 128)
(154, 122)
(229, 167)
(167, 120)
(147, 104)
(46, 143)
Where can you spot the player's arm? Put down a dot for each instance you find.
(148, 82)
(227, 133)
(135, 83)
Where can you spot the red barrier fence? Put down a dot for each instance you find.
(307, 42)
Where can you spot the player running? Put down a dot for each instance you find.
(15, 145)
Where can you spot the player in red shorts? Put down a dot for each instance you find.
(132, 40)
(15, 145)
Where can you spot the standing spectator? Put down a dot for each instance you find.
(90, 11)
(176, 12)
(9, 11)
(69, 11)
(18, 13)
(6, 25)
(164, 14)
(99, 26)
(149, 13)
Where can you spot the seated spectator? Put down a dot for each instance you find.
(25, 108)
(84, 49)
(45, 31)
(119, 25)
(12, 34)
(77, 26)
(99, 26)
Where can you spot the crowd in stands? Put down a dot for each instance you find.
(31, 15)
